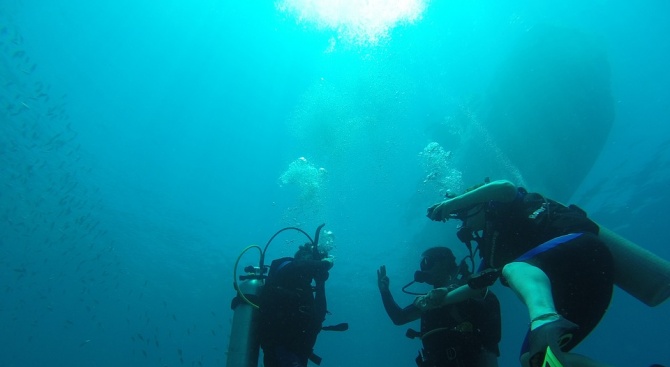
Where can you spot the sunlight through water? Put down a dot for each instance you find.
(356, 21)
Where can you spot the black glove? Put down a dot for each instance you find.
(484, 279)
(321, 275)
(382, 279)
(325, 264)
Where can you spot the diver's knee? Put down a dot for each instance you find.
(514, 269)
(521, 271)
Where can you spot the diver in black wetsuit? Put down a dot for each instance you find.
(465, 334)
(292, 310)
(549, 254)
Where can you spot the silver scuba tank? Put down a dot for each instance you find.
(244, 345)
(641, 273)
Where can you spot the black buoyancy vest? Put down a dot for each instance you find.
(459, 332)
(287, 314)
(528, 221)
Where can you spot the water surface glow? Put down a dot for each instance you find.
(361, 22)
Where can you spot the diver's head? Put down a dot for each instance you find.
(438, 267)
(306, 252)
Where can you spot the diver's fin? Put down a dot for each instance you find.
(550, 359)
(315, 359)
(339, 327)
(412, 334)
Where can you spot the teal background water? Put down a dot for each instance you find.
(143, 146)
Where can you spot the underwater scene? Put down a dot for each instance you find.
(149, 150)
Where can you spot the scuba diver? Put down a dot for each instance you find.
(281, 312)
(291, 310)
(551, 255)
(464, 334)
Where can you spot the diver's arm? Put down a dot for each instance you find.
(501, 190)
(439, 297)
(463, 293)
(321, 268)
(399, 316)
(320, 299)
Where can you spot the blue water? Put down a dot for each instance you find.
(142, 148)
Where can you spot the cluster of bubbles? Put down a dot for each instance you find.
(329, 121)
(327, 241)
(308, 178)
(441, 176)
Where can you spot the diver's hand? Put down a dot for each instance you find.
(383, 281)
(322, 274)
(328, 262)
(440, 211)
(432, 299)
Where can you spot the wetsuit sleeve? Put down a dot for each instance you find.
(320, 275)
(320, 304)
(490, 323)
(319, 271)
(399, 316)
(307, 270)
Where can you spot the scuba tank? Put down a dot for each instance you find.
(244, 345)
(640, 273)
